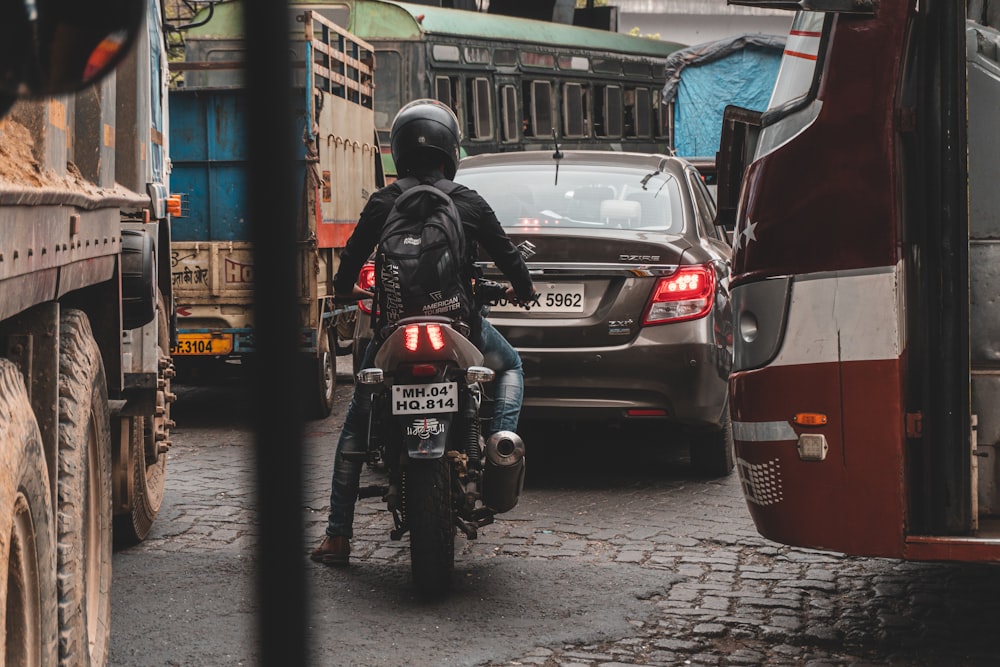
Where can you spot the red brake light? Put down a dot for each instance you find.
(366, 280)
(686, 295)
(436, 336)
(411, 337)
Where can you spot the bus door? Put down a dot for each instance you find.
(850, 388)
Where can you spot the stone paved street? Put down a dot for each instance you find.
(672, 564)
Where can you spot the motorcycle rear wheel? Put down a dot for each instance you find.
(432, 529)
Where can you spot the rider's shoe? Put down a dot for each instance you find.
(333, 550)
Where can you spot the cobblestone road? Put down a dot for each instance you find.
(715, 594)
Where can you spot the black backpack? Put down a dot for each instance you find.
(419, 264)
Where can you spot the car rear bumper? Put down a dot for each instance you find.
(684, 382)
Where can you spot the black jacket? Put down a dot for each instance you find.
(481, 228)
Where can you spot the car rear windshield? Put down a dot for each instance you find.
(578, 196)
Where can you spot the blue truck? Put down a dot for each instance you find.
(339, 166)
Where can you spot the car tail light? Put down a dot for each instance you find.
(366, 281)
(686, 295)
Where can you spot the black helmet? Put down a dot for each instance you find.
(425, 133)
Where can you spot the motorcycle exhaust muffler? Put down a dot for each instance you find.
(503, 474)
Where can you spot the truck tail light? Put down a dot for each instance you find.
(686, 295)
(366, 280)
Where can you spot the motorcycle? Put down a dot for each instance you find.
(427, 393)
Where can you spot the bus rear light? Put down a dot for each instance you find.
(812, 447)
(366, 281)
(686, 295)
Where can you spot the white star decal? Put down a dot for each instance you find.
(748, 234)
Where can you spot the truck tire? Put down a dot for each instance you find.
(321, 377)
(148, 463)
(28, 597)
(84, 497)
(427, 493)
(712, 449)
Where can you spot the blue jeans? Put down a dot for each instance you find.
(508, 388)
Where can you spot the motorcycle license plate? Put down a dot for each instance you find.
(413, 399)
(552, 298)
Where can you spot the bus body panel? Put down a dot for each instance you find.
(847, 294)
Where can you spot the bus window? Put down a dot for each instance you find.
(574, 111)
(505, 57)
(628, 112)
(643, 113)
(660, 111)
(480, 109)
(448, 53)
(444, 90)
(608, 111)
(538, 109)
(509, 115)
(390, 94)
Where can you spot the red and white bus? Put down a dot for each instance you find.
(865, 207)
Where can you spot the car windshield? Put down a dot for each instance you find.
(579, 196)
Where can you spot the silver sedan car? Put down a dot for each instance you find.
(632, 321)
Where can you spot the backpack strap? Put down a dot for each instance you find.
(446, 186)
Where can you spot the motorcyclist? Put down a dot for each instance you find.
(424, 140)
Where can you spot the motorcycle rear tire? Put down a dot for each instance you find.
(432, 528)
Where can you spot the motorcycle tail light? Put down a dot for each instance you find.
(411, 337)
(686, 295)
(423, 370)
(435, 335)
(366, 281)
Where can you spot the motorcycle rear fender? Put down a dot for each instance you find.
(426, 436)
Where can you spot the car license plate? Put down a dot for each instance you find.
(202, 344)
(412, 399)
(552, 298)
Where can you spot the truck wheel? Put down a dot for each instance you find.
(84, 497)
(427, 492)
(321, 377)
(28, 598)
(712, 449)
(148, 462)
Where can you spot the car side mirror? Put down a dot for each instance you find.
(53, 47)
(740, 131)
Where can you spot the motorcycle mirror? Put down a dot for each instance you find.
(52, 47)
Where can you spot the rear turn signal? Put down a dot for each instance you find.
(366, 281)
(686, 295)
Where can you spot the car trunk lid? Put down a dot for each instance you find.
(594, 289)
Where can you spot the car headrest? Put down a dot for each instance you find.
(621, 212)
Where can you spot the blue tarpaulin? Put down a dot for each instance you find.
(703, 79)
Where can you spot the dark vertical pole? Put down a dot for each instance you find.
(277, 409)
